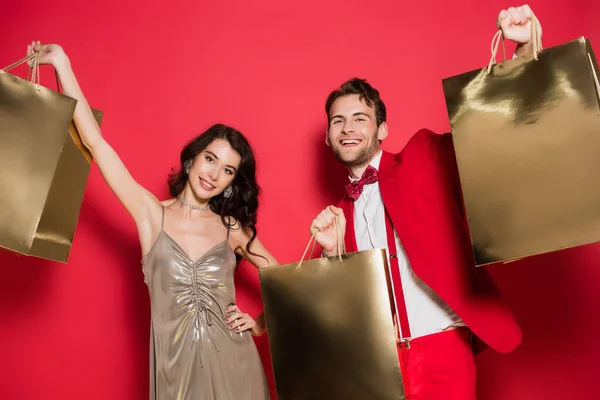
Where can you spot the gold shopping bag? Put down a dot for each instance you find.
(526, 135)
(43, 166)
(330, 328)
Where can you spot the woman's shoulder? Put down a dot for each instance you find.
(237, 231)
(168, 202)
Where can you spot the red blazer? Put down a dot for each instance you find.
(421, 190)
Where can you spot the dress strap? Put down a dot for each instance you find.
(162, 219)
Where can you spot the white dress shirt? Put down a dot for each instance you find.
(427, 312)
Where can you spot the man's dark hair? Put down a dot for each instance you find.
(366, 92)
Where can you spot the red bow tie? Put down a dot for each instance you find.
(355, 188)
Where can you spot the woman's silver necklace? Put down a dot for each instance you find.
(185, 203)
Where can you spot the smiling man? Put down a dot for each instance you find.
(444, 304)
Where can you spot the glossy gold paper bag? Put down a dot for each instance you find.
(43, 167)
(526, 134)
(330, 328)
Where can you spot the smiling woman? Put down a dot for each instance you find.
(218, 171)
(202, 346)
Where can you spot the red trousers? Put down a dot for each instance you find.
(439, 366)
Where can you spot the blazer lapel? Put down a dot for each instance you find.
(387, 178)
(350, 240)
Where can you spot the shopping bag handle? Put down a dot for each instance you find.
(536, 39)
(33, 74)
(21, 61)
(339, 239)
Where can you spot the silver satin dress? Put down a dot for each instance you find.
(193, 356)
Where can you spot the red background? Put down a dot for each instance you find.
(163, 72)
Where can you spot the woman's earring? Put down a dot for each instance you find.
(187, 166)
(228, 192)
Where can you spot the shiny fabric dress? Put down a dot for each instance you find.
(193, 356)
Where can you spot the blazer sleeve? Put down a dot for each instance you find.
(440, 151)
